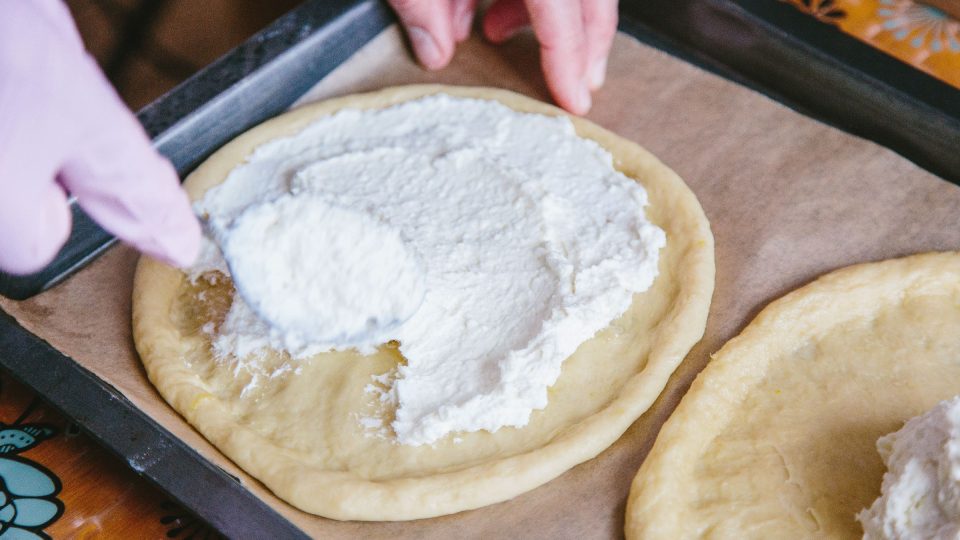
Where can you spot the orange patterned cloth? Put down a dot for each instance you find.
(57, 482)
(922, 36)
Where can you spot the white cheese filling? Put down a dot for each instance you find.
(920, 496)
(501, 239)
(318, 274)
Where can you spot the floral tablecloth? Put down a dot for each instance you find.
(56, 482)
(920, 35)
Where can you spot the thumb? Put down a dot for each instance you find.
(138, 199)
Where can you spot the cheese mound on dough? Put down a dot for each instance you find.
(921, 490)
(524, 241)
(314, 272)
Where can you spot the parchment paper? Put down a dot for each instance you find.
(788, 198)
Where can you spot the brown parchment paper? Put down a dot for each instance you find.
(788, 199)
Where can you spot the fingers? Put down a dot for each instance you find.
(600, 27)
(463, 12)
(139, 200)
(563, 48)
(575, 37)
(504, 19)
(65, 122)
(430, 29)
(34, 225)
(122, 182)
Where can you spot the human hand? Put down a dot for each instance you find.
(575, 37)
(64, 130)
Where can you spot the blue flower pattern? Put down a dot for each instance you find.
(28, 490)
(923, 26)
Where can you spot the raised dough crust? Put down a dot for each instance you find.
(300, 435)
(777, 436)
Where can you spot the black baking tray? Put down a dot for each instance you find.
(764, 44)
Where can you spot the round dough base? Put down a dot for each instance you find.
(299, 432)
(777, 436)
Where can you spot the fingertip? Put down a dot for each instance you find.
(568, 85)
(170, 231)
(563, 53)
(574, 97)
(498, 34)
(429, 27)
(181, 247)
(431, 53)
(136, 195)
(177, 240)
(490, 31)
(582, 100)
(463, 19)
(504, 19)
(598, 73)
(177, 246)
(600, 26)
(463, 27)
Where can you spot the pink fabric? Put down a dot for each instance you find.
(63, 130)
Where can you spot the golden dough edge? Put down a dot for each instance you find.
(346, 497)
(654, 506)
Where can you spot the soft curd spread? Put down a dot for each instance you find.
(488, 243)
(920, 496)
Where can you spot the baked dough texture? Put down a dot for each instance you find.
(777, 437)
(299, 432)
